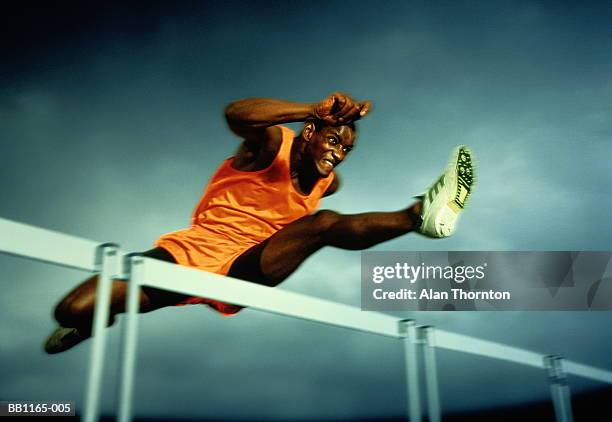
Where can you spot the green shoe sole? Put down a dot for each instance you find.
(465, 176)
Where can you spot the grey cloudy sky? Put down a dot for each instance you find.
(111, 124)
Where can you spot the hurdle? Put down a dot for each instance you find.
(106, 259)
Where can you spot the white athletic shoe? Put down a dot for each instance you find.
(446, 198)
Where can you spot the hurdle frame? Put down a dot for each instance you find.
(26, 241)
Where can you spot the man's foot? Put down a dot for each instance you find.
(446, 198)
(63, 339)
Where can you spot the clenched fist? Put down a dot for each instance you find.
(338, 109)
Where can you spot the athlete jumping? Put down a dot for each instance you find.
(256, 220)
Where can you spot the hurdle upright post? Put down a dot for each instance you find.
(106, 265)
(559, 388)
(135, 266)
(408, 331)
(425, 338)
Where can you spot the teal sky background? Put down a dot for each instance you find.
(111, 124)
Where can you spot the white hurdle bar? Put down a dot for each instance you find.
(35, 243)
(68, 251)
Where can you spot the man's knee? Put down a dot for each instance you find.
(324, 220)
(74, 312)
(78, 313)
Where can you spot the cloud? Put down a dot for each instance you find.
(114, 137)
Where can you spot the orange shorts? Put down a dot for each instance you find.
(226, 309)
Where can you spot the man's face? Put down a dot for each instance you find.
(329, 146)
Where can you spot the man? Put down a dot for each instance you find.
(256, 220)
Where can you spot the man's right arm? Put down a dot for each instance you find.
(250, 118)
(253, 119)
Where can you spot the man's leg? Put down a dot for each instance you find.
(276, 258)
(75, 311)
(435, 216)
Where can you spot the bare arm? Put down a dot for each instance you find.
(254, 120)
(249, 118)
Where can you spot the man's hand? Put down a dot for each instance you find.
(338, 109)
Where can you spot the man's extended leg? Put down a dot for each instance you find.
(275, 259)
(436, 216)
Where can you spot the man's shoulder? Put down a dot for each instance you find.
(275, 135)
(280, 133)
(284, 130)
(256, 155)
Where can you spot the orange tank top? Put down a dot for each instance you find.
(237, 211)
(252, 206)
(240, 209)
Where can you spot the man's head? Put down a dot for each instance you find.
(327, 146)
